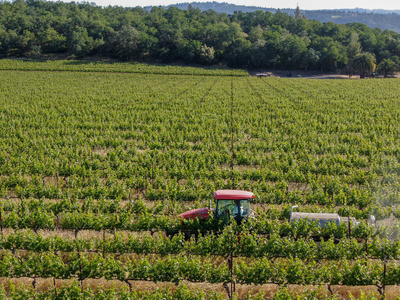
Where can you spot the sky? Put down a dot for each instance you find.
(303, 4)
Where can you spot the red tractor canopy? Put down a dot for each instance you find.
(233, 195)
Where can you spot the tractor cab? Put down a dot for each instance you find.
(235, 203)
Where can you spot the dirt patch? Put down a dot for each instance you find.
(50, 180)
(141, 151)
(101, 152)
(298, 186)
(194, 144)
(300, 74)
(239, 168)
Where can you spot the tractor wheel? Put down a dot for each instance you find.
(171, 233)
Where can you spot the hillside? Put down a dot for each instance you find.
(382, 19)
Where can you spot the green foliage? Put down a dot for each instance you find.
(257, 40)
(387, 67)
(80, 152)
(365, 64)
(74, 292)
(194, 269)
(139, 68)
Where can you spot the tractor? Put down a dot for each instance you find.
(229, 203)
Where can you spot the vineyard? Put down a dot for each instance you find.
(98, 159)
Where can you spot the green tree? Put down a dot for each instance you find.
(237, 53)
(258, 54)
(188, 50)
(292, 49)
(125, 43)
(297, 13)
(365, 64)
(14, 44)
(169, 39)
(80, 43)
(206, 55)
(221, 35)
(311, 59)
(353, 49)
(255, 34)
(272, 48)
(51, 41)
(387, 67)
(393, 45)
(333, 53)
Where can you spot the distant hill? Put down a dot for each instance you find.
(376, 11)
(388, 20)
(383, 19)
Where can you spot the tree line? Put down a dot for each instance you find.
(32, 28)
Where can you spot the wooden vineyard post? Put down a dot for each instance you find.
(384, 279)
(55, 286)
(22, 204)
(80, 272)
(1, 222)
(57, 221)
(129, 284)
(233, 285)
(330, 289)
(232, 134)
(104, 241)
(227, 290)
(349, 227)
(230, 290)
(34, 285)
(382, 288)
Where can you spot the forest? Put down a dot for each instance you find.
(37, 29)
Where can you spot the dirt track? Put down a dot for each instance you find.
(305, 74)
